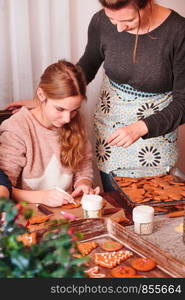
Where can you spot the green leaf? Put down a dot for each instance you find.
(20, 261)
(81, 260)
(28, 213)
(51, 257)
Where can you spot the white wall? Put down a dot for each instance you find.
(80, 39)
(177, 5)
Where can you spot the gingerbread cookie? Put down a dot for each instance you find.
(143, 264)
(111, 259)
(41, 226)
(38, 219)
(152, 189)
(71, 205)
(111, 245)
(28, 239)
(174, 214)
(86, 247)
(94, 273)
(123, 272)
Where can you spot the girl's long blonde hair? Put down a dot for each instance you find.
(59, 81)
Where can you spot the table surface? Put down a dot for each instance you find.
(112, 200)
(160, 237)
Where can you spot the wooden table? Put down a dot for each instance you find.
(155, 243)
(112, 201)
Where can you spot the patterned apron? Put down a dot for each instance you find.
(120, 105)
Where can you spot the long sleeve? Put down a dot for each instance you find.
(173, 115)
(86, 170)
(12, 154)
(93, 56)
(4, 181)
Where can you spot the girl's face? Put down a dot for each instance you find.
(125, 19)
(57, 113)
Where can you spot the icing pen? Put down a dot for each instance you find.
(61, 190)
(68, 215)
(44, 210)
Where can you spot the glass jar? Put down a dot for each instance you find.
(92, 206)
(143, 216)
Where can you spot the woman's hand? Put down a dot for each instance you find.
(126, 136)
(16, 106)
(85, 187)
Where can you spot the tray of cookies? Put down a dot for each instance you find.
(160, 188)
(115, 252)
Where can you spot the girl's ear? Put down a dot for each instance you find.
(40, 95)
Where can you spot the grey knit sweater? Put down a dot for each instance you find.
(160, 64)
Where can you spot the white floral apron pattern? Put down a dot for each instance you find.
(120, 105)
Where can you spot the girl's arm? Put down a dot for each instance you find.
(52, 198)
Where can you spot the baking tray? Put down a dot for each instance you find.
(143, 172)
(99, 230)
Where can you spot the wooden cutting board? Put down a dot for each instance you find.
(99, 229)
(166, 237)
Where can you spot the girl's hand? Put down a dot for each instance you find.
(55, 198)
(126, 136)
(85, 187)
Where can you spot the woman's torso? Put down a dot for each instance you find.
(153, 71)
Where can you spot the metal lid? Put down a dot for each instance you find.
(143, 214)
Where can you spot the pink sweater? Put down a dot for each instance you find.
(30, 155)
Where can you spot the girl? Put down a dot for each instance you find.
(47, 147)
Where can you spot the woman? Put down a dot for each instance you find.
(46, 148)
(142, 46)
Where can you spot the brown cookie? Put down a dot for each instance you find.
(94, 272)
(86, 247)
(111, 259)
(71, 205)
(38, 219)
(28, 239)
(111, 245)
(123, 272)
(143, 264)
(174, 214)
